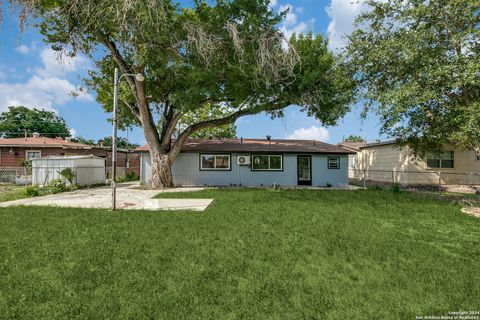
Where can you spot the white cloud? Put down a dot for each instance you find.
(290, 17)
(38, 92)
(47, 87)
(312, 133)
(290, 24)
(299, 28)
(73, 132)
(23, 49)
(272, 4)
(342, 14)
(55, 65)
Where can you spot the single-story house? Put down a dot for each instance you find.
(385, 161)
(255, 162)
(14, 151)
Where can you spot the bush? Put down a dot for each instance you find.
(130, 176)
(395, 188)
(56, 186)
(329, 185)
(32, 191)
(375, 187)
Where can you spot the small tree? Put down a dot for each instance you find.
(121, 143)
(68, 174)
(353, 138)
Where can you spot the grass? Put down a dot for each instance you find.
(11, 192)
(253, 254)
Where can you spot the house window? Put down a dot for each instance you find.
(32, 154)
(333, 162)
(267, 162)
(215, 162)
(478, 156)
(440, 159)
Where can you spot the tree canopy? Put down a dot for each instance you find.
(19, 120)
(353, 138)
(121, 143)
(204, 66)
(417, 64)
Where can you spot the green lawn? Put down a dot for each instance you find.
(254, 254)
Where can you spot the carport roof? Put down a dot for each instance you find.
(258, 146)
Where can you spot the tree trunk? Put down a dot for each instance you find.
(161, 175)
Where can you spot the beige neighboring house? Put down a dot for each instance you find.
(385, 161)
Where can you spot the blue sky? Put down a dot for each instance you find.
(30, 75)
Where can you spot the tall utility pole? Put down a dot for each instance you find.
(116, 79)
(114, 139)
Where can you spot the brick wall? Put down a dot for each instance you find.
(14, 157)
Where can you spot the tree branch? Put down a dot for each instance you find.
(132, 108)
(177, 146)
(117, 57)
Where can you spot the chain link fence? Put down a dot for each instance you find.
(15, 176)
(441, 181)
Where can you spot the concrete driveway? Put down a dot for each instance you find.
(129, 196)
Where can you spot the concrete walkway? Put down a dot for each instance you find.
(473, 211)
(129, 196)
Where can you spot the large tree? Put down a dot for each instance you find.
(226, 56)
(19, 120)
(418, 65)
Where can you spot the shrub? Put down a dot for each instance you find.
(329, 185)
(56, 186)
(130, 176)
(32, 191)
(375, 187)
(395, 188)
(69, 174)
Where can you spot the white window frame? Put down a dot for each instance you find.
(269, 156)
(27, 151)
(441, 160)
(215, 162)
(338, 162)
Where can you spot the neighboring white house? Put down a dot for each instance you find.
(89, 169)
(385, 161)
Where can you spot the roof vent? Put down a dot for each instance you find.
(241, 139)
(269, 138)
(68, 139)
(36, 135)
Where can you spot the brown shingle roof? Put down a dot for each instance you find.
(355, 146)
(257, 145)
(42, 142)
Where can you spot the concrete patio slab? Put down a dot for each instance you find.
(129, 197)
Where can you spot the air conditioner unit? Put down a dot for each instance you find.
(243, 160)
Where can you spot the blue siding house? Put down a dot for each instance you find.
(255, 162)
